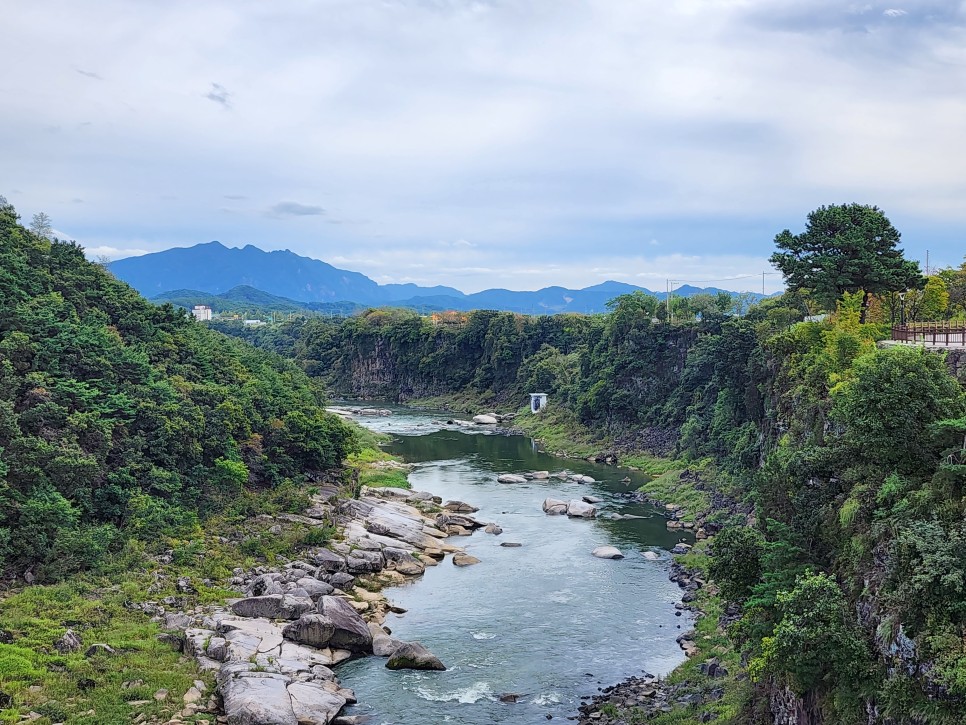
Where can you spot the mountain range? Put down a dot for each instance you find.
(289, 282)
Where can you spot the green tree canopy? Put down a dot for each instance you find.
(845, 248)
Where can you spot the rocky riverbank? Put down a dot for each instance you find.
(273, 649)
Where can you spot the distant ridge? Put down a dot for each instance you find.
(235, 279)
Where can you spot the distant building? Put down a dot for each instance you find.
(202, 313)
(252, 323)
(538, 401)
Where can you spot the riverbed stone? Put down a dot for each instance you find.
(351, 630)
(273, 606)
(651, 555)
(580, 509)
(464, 560)
(403, 561)
(607, 552)
(485, 419)
(541, 475)
(511, 478)
(313, 587)
(413, 656)
(460, 507)
(511, 544)
(328, 561)
(554, 507)
(493, 529)
(592, 499)
(315, 630)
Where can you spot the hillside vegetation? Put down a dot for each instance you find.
(846, 586)
(124, 421)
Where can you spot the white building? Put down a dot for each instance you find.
(538, 401)
(202, 313)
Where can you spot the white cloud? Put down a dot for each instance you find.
(575, 131)
(112, 253)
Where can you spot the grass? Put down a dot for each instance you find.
(674, 487)
(559, 431)
(71, 688)
(378, 469)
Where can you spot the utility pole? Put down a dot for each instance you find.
(762, 284)
(927, 262)
(667, 300)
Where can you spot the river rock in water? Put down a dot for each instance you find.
(493, 529)
(413, 656)
(464, 560)
(460, 507)
(484, 420)
(607, 552)
(554, 506)
(651, 555)
(510, 478)
(581, 509)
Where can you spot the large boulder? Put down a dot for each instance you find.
(351, 631)
(510, 478)
(554, 506)
(581, 509)
(265, 584)
(383, 645)
(444, 520)
(328, 561)
(342, 580)
(313, 703)
(403, 561)
(313, 587)
(461, 559)
(485, 420)
(413, 656)
(361, 561)
(459, 507)
(315, 630)
(273, 606)
(608, 552)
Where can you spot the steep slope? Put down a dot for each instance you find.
(124, 420)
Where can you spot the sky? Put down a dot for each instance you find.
(487, 143)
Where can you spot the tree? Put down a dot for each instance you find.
(845, 248)
(41, 225)
(736, 565)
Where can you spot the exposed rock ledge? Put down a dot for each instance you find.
(273, 649)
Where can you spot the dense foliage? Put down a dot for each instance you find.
(122, 419)
(845, 248)
(853, 457)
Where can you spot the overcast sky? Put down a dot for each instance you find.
(483, 143)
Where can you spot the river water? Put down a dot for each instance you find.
(546, 620)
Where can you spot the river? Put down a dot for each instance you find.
(546, 620)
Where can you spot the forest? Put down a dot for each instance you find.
(848, 588)
(124, 421)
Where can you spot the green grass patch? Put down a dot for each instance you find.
(377, 469)
(559, 431)
(72, 688)
(675, 486)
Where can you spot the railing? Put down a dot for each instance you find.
(952, 334)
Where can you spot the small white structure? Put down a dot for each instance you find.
(202, 313)
(538, 401)
(253, 323)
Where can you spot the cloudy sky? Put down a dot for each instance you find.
(481, 143)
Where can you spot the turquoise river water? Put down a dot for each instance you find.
(547, 620)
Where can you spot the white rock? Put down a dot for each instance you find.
(581, 509)
(484, 420)
(511, 478)
(554, 506)
(607, 552)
